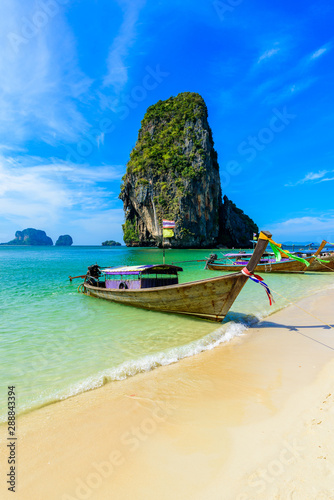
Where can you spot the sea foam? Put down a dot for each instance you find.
(223, 334)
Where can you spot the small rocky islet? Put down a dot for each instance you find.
(30, 236)
(37, 237)
(111, 243)
(64, 240)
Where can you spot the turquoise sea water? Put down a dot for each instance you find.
(56, 342)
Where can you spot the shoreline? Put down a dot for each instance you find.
(241, 326)
(185, 429)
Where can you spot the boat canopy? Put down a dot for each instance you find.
(148, 269)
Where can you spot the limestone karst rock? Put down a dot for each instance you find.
(31, 236)
(64, 241)
(173, 174)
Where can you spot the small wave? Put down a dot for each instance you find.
(225, 333)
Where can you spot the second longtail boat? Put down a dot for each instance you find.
(268, 263)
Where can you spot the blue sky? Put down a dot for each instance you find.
(76, 77)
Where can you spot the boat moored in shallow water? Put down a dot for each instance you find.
(157, 288)
(268, 263)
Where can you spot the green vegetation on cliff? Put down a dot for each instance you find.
(130, 233)
(172, 155)
(173, 174)
(166, 130)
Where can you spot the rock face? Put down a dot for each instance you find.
(236, 227)
(64, 241)
(31, 236)
(173, 174)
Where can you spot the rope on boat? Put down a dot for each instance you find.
(322, 264)
(81, 288)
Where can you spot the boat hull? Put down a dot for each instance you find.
(323, 267)
(210, 299)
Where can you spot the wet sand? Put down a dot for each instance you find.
(251, 419)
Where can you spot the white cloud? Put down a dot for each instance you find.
(40, 81)
(318, 53)
(117, 75)
(313, 177)
(327, 179)
(287, 84)
(39, 194)
(321, 51)
(268, 53)
(310, 228)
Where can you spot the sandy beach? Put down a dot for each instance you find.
(250, 419)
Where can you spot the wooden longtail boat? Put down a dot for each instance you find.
(157, 288)
(232, 262)
(327, 266)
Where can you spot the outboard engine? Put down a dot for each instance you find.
(212, 258)
(93, 274)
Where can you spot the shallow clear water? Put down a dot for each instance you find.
(56, 342)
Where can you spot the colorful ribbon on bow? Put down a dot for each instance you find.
(278, 251)
(257, 279)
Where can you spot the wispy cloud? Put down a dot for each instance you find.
(318, 53)
(321, 51)
(117, 75)
(305, 228)
(300, 76)
(33, 192)
(327, 179)
(40, 81)
(289, 90)
(268, 54)
(312, 177)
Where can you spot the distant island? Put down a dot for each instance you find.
(37, 237)
(64, 241)
(111, 243)
(30, 236)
